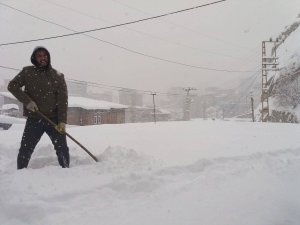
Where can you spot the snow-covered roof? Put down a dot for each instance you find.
(87, 103)
(10, 106)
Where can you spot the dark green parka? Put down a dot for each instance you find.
(45, 86)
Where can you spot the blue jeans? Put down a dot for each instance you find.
(34, 129)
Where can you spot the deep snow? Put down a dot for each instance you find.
(171, 173)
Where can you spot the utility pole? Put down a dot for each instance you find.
(269, 68)
(252, 105)
(223, 113)
(252, 109)
(187, 103)
(154, 113)
(204, 107)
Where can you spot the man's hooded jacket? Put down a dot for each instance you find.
(43, 85)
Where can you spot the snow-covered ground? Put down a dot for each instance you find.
(170, 173)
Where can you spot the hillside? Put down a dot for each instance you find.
(285, 96)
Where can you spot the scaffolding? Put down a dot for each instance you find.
(269, 68)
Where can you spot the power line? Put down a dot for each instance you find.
(111, 87)
(31, 15)
(182, 26)
(130, 50)
(138, 31)
(125, 89)
(113, 26)
(10, 68)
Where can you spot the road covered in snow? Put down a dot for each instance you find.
(168, 173)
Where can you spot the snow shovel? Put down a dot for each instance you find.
(73, 139)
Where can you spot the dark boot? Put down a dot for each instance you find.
(63, 159)
(22, 162)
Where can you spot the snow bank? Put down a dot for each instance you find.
(171, 173)
(11, 120)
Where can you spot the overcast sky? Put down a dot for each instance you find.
(224, 36)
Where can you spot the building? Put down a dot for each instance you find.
(83, 111)
(77, 88)
(130, 97)
(146, 114)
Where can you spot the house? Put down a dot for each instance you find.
(83, 111)
(77, 88)
(130, 97)
(146, 114)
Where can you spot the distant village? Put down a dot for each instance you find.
(92, 106)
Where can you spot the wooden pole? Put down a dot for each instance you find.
(73, 139)
(154, 113)
(252, 108)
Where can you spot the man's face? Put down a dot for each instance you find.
(42, 58)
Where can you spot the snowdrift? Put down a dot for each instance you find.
(197, 172)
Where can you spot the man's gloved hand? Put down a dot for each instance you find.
(32, 106)
(61, 127)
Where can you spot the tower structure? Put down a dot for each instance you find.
(269, 68)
